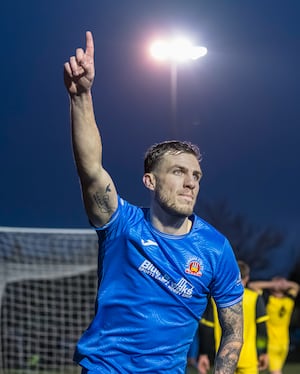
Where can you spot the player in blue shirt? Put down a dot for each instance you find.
(157, 266)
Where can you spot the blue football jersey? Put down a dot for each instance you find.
(153, 290)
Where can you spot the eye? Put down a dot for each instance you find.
(197, 177)
(178, 172)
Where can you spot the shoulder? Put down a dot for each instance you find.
(291, 294)
(128, 209)
(126, 215)
(208, 232)
(251, 294)
(249, 291)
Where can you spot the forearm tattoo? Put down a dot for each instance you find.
(102, 200)
(231, 320)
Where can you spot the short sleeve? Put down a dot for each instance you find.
(227, 288)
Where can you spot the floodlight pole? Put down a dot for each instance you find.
(176, 51)
(174, 77)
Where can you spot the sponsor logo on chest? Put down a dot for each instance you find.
(182, 287)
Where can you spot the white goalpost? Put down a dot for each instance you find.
(48, 284)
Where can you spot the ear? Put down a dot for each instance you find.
(149, 181)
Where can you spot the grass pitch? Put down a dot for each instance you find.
(289, 368)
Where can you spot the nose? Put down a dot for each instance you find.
(189, 181)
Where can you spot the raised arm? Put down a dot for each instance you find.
(98, 190)
(290, 287)
(231, 321)
(276, 284)
(261, 285)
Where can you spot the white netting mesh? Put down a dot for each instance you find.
(48, 286)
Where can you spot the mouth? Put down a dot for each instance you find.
(187, 197)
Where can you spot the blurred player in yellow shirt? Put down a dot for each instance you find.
(253, 356)
(280, 295)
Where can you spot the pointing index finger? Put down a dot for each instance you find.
(89, 44)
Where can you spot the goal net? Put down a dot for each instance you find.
(48, 286)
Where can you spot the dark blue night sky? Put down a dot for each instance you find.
(240, 103)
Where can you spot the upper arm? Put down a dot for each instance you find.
(100, 197)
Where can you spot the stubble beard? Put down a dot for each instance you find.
(171, 206)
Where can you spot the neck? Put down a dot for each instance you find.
(170, 224)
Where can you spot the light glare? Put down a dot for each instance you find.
(159, 50)
(178, 50)
(198, 52)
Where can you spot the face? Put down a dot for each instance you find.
(176, 183)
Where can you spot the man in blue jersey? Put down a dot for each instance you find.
(157, 266)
